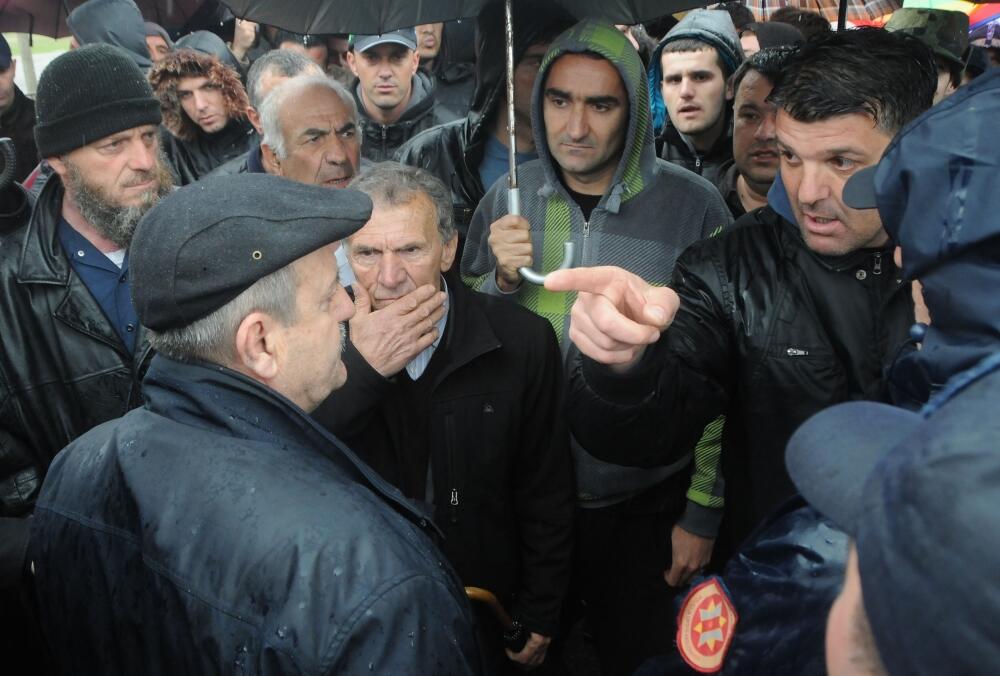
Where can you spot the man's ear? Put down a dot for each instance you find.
(730, 89)
(58, 166)
(270, 160)
(258, 346)
(416, 62)
(254, 118)
(448, 254)
(351, 63)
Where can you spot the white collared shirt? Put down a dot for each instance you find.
(416, 366)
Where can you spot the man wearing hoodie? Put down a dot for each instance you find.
(692, 105)
(395, 99)
(111, 22)
(597, 183)
(204, 113)
(796, 308)
(470, 154)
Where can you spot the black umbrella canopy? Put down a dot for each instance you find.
(373, 17)
(48, 17)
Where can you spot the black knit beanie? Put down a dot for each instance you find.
(87, 94)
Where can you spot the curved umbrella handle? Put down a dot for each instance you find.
(539, 277)
(514, 208)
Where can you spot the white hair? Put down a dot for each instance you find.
(270, 110)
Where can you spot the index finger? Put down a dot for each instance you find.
(592, 280)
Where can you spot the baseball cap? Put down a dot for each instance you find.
(206, 243)
(404, 36)
(918, 493)
(946, 32)
(5, 55)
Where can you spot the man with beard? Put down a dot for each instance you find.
(73, 352)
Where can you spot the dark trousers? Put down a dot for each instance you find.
(622, 553)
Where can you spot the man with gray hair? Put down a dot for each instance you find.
(264, 75)
(472, 423)
(218, 527)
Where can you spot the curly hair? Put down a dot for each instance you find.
(185, 63)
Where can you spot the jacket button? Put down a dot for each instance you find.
(423, 523)
(130, 328)
(487, 408)
(861, 275)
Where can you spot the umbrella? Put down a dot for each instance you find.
(857, 11)
(48, 17)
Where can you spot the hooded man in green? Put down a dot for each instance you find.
(598, 183)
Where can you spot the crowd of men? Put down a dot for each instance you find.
(276, 396)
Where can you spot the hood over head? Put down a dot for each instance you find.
(715, 28)
(936, 187)
(209, 43)
(638, 160)
(188, 63)
(112, 22)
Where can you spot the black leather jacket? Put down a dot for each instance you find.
(381, 141)
(63, 368)
(768, 333)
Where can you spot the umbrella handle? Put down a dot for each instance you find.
(514, 634)
(514, 208)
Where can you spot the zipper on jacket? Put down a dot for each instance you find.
(452, 476)
(796, 352)
(586, 240)
(877, 267)
(385, 135)
(697, 164)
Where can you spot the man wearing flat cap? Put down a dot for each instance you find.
(218, 528)
(72, 352)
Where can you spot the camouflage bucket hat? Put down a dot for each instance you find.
(944, 31)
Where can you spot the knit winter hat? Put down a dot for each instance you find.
(87, 94)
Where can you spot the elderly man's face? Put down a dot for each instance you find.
(115, 180)
(399, 250)
(322, 142)
(817, 158)
(311, 367)
(204, 103)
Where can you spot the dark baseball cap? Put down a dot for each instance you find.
(206, 243)
(5, 55)
(919, 495)
(404, 36)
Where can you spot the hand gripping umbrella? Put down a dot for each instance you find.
(379, 16)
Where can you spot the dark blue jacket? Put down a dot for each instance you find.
(218, 529)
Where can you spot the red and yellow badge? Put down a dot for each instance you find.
(705, 626)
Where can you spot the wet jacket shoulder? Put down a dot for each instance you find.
(497, 446)
(193, 159)
(381, 141)
(281, 554)
(18, 123)
(675, 149)
(768, 333)
(63, 368)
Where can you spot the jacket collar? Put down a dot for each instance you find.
(42, 258)
(216, 398)
(468, 335)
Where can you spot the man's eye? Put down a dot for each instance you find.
(843, 163)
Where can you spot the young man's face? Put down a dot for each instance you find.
(204, 103)
(322, 142)
(817, 158)
(694, 90)
(429, 40)
(755, 150)
(585, 108)
(525, 74)
(386, 74)
(7, 85)
(400, 250)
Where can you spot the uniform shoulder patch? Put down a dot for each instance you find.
(705, 626)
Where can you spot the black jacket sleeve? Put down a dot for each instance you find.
(656, 412)
(347, 411)
(544, 493)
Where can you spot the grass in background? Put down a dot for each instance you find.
(40, 44)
